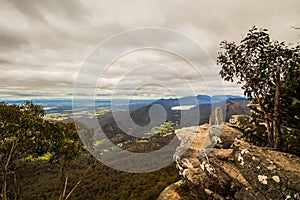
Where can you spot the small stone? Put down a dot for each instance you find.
(262, 179)
(241, 159)
(207, 191)
(244, 151)
(276, 179)
(288, 197)
(271, 167)
(202, 165)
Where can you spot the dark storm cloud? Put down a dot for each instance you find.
(29, 9)
(65, 10)
(44, 43)
(11, 40)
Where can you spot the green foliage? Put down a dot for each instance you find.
(253, 132)
(64, 146)
(32, 109)
(266, 70)
(291, 100)
(21, 131)
(26, 137)
(290, 140)
(64, 143)
(100, 183)
(164, 128)
(255, 63)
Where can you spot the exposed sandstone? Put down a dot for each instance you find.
(232, 168)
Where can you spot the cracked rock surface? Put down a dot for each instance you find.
(231, 169)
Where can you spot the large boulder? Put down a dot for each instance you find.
(232, 170)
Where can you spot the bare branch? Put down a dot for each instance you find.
(78, 182)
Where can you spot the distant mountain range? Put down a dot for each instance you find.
(231, 105)
(62, 104)
(194, 110)
(174, 109)
(55, 101)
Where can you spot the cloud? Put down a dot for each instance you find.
(11, 40)
(43, 44)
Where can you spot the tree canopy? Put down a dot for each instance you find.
(21, 131)
(26, 134)
(265, 69)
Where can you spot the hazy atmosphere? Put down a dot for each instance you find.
(44, 43)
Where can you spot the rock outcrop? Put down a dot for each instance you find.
(231, 169)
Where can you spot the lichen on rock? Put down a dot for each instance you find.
(234, 169)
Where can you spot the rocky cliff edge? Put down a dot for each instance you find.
(231, 168)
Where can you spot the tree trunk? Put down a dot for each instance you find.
(17, 188)
(276, 121)
(5, 170)
(269, 132)
(277, 134)
(268, 118)
(79, 181)
(62, 180)
(4, 185)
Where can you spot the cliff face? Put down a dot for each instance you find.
(231, 169)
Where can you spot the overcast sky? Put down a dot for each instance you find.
(43, 44)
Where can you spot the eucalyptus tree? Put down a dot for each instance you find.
(65, 146)
(22, 128)
(262, 66)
